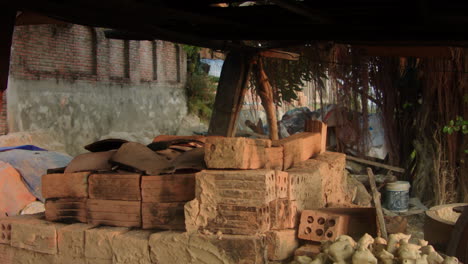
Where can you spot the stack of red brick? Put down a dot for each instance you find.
(118, 199)
(256, 186)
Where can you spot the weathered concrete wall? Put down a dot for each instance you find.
(80, 112)
(72, 82)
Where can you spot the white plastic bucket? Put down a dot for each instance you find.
(397, 196)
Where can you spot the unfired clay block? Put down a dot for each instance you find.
(176, 247)
(35, 235)
(98, 241)
(236, 153)
(281, 244)
(65, 185)
(71, 240)
(131, 247)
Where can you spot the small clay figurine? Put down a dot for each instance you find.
(450, 260)
(394, 241)
(340, 251)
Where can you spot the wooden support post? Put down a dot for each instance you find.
(7, 24)
(230, 94)
(265, 91)
(378, 205)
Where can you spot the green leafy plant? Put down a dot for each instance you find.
(457, 125)
(200, 88)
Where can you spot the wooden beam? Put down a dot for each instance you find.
(280, 54)
(301, 9)
(376, 164)
(31, 18)
(378, 206)
(7, 24)
(406, 51)
(230, 94)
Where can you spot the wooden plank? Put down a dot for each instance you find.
(230, 94)
(168, 216)
(378, 205)
(406, 51)
(280, 54)
(113, 186)
(72, 185)
(376, 164)
(168, 188)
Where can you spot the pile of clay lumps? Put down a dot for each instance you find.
(398, 249)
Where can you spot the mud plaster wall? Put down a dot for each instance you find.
(74, 83)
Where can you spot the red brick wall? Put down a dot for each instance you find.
(78, 53)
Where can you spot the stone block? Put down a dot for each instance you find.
(74, 185)
(71, 240)
(168, 216)
(35, 235)
(177, 247)
(299, 147)
(66, 210)
(235, 153)
(98, 242)
(236, 187)
(115, 186)
(168, 188)
(131, 247)
(283, 214)
(281, 244)
(318, 226)
(114, 213)
(274, 158)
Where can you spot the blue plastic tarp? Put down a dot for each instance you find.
(25, 147)
(33, 164)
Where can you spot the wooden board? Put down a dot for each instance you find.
(168, 188)
(113, 186)
(66, 210)
(66, 185)
(114, 213)
(169, 216)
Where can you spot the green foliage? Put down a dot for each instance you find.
(457, 125)
(288, 77)
(200, 88)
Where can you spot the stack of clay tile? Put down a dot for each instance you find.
(126, 184)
